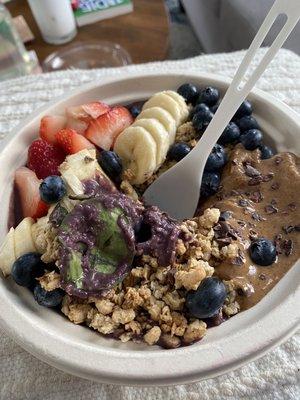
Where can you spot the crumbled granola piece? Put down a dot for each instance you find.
(180, 247)
(150, 261)
(231, 309)
(121, 316)
(186, 132)
(165, 315)
(165, 328)
(192, 276)
(141, 272)
(169, 342)
(173, 300)
(230, 251)
(134, 327)
(50, 281)
(209, 218)
(52, 245)
(104, 306)
(194, 331)
(179, 324)
(144, 292)
(128, 189)
(154, 308)
(103, 323)
(153, 335)
(125, 337)
(158, 290)
(75, 311)
(132, 299)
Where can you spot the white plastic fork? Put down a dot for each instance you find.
(177, 190)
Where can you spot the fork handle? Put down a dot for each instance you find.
(236, 93)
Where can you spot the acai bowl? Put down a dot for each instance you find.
(81, 351)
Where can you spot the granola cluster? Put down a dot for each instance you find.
(149, 305)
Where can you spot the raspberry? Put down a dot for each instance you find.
(44, 158)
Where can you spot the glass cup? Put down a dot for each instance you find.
(55, 20)
(14, 59)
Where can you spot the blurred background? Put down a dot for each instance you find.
(39, 36)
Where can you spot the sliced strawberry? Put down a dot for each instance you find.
(105, 129)
(79, 116)
(71, 142)
(95, 109)
(28, 185)
(44, 158)
(78, 125)
(50, 125)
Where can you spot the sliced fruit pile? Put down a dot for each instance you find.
(144, 145)
(87, 126)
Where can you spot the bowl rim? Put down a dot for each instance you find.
(167, 367)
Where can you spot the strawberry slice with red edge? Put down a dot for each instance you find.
(50, 125)
(78, 117)
(104, 130)
(44, 158)
(71, 142)
(28, 185)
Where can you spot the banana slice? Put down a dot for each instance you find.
(167, 103)
(78, 167)
(23, 237)
(164, 117)
(181, 102)
(137, 149)
(38, 233)
(7, 253)
(160, 136)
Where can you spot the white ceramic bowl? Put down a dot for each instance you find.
(81, 351)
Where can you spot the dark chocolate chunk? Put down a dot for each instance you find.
(256, 196)
(275, 186)
(225, 215)
(287, 247)
(243, 203)
(270, 209)
(251, 171)
(257, 217)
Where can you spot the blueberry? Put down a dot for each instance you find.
(178, 151)
(207, 299)
(26, 268)
(244, 109)
(135, 109)
(209, 96)
(251, 139)
(265, 152)
(262, 251)
(214, 108)
(210, 183)
(230, 134)
(201, 119)
(189, 92)
(46, 298)
(111, 163)
(199, 108)
(52, 189)
(217, 159)
(247, 122)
